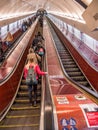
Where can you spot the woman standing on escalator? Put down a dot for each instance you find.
(33, 87)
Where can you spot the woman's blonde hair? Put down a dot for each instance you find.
(31, 59)
(31, 50)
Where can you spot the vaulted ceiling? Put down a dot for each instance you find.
(20, 7)
(63, 8)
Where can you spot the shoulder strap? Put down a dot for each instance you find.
(36, 57)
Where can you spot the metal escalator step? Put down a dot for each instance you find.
(23, 112)
(64, 55)
(25, 87)
(23, 120)
(67, 60)
(25, 104)
(62, 50)
(69, 63)
(25, 100)
(23, 82)
(22, 93)
(84, 83)
(72, 69)
(23, 116)
(74, 73)
(78, 78)
(20, 125)
(70, 66)
(25, 108)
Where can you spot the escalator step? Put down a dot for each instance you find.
(22, 112)
(78, 78)
(68, 63)
(71, 74)
(25, 94)
(18, 126)
(21, 100)
(67, 60)
(25, 87)
(84, 83)
(22, 116)
(25, 108)
(72, 69)
(65, 55)
(70, 66)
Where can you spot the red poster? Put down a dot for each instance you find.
(92, 118)
(90, 112)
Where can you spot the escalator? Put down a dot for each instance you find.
(22, 114)
(69, 64)
(10, 49)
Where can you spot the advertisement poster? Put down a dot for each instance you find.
(90, 112)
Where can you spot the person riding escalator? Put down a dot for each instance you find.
(33, 86)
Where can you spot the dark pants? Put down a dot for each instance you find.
(30, 89)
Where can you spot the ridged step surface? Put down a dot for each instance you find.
(69, 64)
(23, 115)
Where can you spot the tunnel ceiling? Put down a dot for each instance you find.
(65, 8)
(72, 8)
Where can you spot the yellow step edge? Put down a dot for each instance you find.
(23, 93)
(25, 100)
(21, 125)
(22, 116)
(24, 108)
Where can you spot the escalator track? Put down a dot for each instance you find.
(14, 44)
(70, 67)
(12, 47)
(22, 114)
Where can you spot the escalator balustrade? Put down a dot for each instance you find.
(22, 115)
(69, 64)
